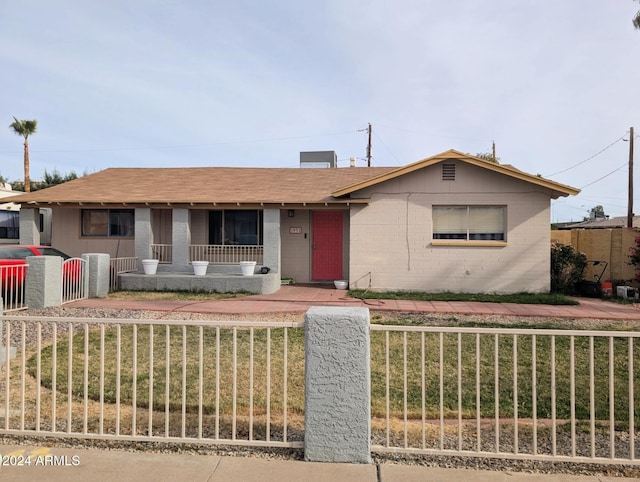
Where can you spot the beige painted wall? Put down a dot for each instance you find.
(199, 226)
(296, 248)
(161, 226)
(404, 258)
(65, 235)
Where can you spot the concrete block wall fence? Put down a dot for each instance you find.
(43, 287)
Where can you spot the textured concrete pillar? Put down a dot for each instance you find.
(43, 281)
(271, 239)
(181, 234)
(144, 236)
(337, 385)
(29, 225)
(97, 274)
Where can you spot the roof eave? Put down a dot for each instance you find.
(557, 189)
(202, 204)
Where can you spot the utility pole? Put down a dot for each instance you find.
(630, 203)
(369, 147)
(493, 150)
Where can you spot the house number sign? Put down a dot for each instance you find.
(294, 230)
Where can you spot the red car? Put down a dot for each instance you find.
(13, 264)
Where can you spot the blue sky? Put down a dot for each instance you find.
(252, 83)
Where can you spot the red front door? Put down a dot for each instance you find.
(327, 245)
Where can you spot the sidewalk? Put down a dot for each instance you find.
(82, 465)
(298, 299)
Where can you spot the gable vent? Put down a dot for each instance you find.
(448, 171)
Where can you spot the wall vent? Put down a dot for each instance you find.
(448, 171)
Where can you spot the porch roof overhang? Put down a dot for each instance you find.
(329, 204)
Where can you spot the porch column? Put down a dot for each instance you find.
(181, 236)
(29, 225)
(144, 235)
(271, 239)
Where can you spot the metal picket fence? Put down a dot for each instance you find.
(12, 286)
(531, 394)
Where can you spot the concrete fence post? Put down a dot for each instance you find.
(337, 385)
(43, 286)
(98, 272)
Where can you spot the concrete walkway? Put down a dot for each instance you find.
(298, 299)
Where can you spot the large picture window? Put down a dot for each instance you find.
(108, 222)
(469, 223)
(231, 227)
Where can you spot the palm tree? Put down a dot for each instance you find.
(25, 128)
(636, 20)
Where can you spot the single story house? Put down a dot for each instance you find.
(450, 222)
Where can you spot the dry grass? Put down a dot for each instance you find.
(217, 413)
(171, 295)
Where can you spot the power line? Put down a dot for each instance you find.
(386, 147)
(606, 175)
(588, 158)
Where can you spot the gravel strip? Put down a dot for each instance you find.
(564, 443)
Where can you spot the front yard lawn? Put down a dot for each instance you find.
(524, 298)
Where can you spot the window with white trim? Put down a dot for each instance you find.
(469, 223)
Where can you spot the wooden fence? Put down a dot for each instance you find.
(610, 245)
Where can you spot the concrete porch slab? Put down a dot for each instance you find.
(209, 283)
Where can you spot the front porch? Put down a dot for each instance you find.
(213, 253)
(177, 247)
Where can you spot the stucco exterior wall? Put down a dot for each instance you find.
(297, 247)
(66, 236)
(403, 258)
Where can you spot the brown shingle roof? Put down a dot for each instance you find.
(204, 185)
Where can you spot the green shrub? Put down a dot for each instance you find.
(567, 266)
(634, 257)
